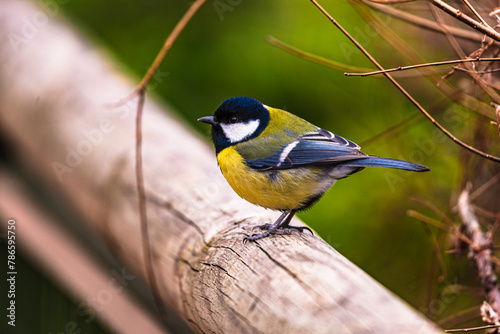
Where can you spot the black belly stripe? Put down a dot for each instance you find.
(273, 176)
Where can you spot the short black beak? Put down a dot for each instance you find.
(208, 119)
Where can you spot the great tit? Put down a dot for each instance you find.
(280, 161)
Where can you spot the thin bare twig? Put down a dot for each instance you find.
(312, 57)
(169, 42)
(454, 94)
(435, 209)
(485, 29)
(438, 257)
(143, 215)
(470, 329)
(422, 22)
(391, 1)
(140, 90)
(163, 52)
(324, 61)
(458, 49)
(410, 67)
(459, 317)
(484, 186)
(473, 10)
(481, 189)
(485, 213)
(453, 41)
(393, 129)
(497, 114)
(480, 72)
(492, 231)
(430, 221)
(388, 76)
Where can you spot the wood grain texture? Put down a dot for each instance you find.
(53, 91)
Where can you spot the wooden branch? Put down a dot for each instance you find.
(53, 89)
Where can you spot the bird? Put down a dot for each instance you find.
(279, 161)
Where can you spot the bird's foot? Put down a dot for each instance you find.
(301, 229)
(263, 227)
(276, 230)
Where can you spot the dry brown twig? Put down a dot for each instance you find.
(483, 28)
(140, 93)
(411, 67)
(470, 329)
(400, 44)
(497, 114)
(471, 70)
(421, 21)
(484, 186)
(405, 93)
(311, 57)
(433, 222)
(391, 1)
(455, 94)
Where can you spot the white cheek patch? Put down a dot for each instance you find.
(239, 131)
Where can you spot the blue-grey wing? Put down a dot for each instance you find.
(316, 148)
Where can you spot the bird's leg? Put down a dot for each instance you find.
(276, 224)
(270, 228)
(287, 229)
(280, 226)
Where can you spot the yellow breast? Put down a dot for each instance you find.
(272, 189)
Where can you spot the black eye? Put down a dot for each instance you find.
(233, 120)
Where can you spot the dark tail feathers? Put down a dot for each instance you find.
(390, 163)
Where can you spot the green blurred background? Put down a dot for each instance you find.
(223, 52)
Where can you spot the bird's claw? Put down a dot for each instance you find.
(300, 229)
(287, 230)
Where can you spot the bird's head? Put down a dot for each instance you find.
(237, 119)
